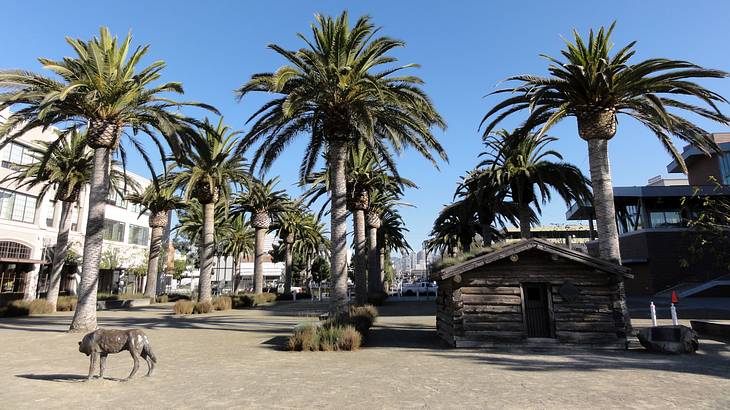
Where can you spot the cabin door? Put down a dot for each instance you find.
(537, 309)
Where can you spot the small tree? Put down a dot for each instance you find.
(710, 223)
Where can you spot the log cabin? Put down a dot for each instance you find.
(533, 294)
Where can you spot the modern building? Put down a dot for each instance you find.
(652, 222)
(574, 236)
(29, 227)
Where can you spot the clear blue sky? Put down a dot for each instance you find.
(465, 49)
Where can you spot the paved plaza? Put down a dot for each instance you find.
(235, 359)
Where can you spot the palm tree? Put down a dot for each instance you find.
(208, 169)
(159, 199)
(487, 196)
(340, 90)
(239, 242)
(391, 238)
(312, 241)
(365, 176)
(64, 170)
(383, 202)
(595, 87)
(263, 201)
(289, 225)
(101, 89)
(454, 228)
(523, 163)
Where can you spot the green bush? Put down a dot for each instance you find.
(162, 299)
(184, 307)
(174, 297)
(66, 303)
(119, 296)
(202, 307)
(222, 303)
(249, 300)
(326, 338)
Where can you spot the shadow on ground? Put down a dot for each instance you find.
(708, 361)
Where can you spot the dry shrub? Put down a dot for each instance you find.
(362, 317)
(163, 299)
(15, 308)
(184, 307)
(326, 338)
(222, 303)
(66, 303)
(350, 339)
(305, 338)
(40, 307)
(202, 307)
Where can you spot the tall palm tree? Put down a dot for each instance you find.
(522, 162)
(365, 176)
(208, 170)
(159, 199)
(341, 89)
(595, 87)
(239, 242)
(100, 88)
(262, 200)
(382, 201)
(64, 170)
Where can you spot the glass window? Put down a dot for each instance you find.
(116, 199)
(113, 231)
(51, 214)
(725, 168)
(136, 208)
(17, 207)
(138, 235)
(665, 219)
(75, 218)
(15, 154)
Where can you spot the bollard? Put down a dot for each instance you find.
(653, 313)
(673, 309)
(294, 295)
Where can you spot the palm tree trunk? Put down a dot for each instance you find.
(605, 211)
(375, 285)
(289, 265)
(603, 205)
(84, 319)
(338, 229)
(360, 266)
(525, 221)
(152, 264)
(206, 258)
(59, 254)
(381, 260)
(236, 274)
(258, 261)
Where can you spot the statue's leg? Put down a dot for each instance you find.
(92, 364)
(135, 357)
(150, 363)
(102, 365)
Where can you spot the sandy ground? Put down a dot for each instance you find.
(234, 359)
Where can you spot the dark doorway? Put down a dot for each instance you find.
(537, 310)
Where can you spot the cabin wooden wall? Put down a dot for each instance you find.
(487, 305)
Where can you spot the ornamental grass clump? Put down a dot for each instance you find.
(202, 307)
(66, 303)
(184, 307)
(24, 308)
(249, 300)
(310, 337)
(222, 303)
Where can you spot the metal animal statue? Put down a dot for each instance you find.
(101, 342)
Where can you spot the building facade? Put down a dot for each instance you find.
(29, 226)
(652, 222)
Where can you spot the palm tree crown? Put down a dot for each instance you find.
(594, 87)
(338, 88)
